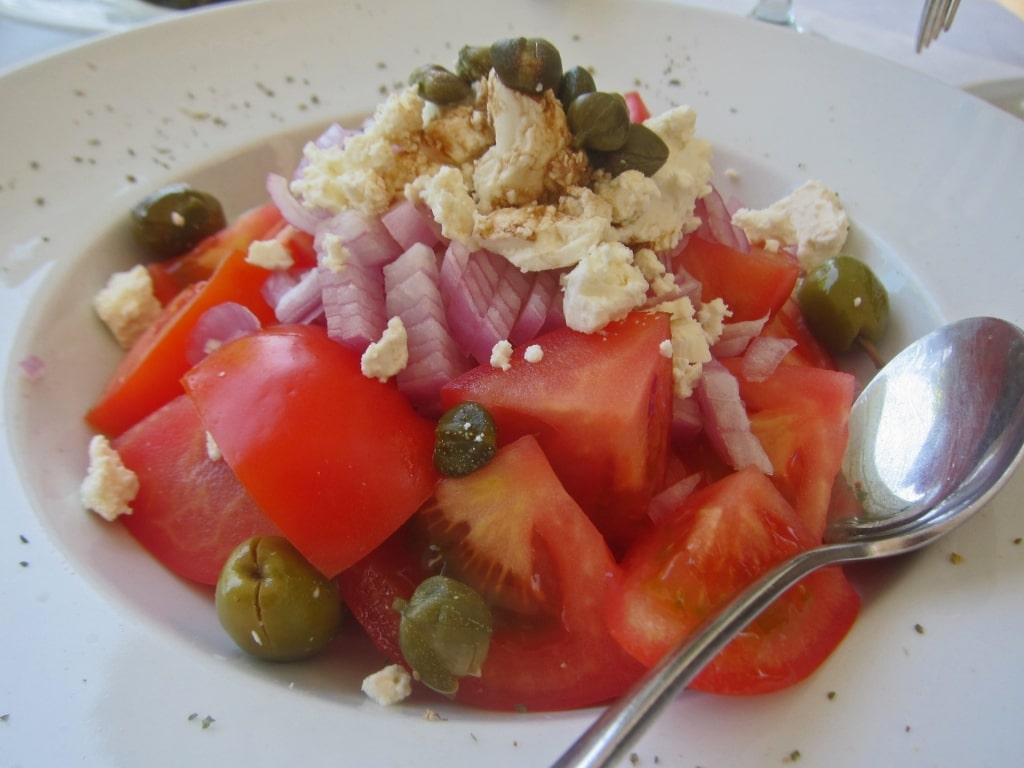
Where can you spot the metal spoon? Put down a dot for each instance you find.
(933, 437)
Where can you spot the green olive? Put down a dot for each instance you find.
(439, 85)
(575, 82)
(466, 438)
(273, 603)
(843, 301)
(444, 632)
(530, 65)
(474, 62)
(598, 121)
(643, 151)
(174, 219)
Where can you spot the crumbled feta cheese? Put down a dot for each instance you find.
(212, 449)
(446, 195)
(269, 254)
(334, 252)
(127, 304)
(604, 286)
(389, 355)
(538, 237)
(711, 316)
(665, 348)
(810, 218)
(109, 486)
(534, 353)
(661, 281)
(388, 686)
(501, 355)
(691, 347)
(530, 135)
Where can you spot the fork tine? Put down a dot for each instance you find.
(950, 14)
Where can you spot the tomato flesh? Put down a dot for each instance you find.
(337, 460)
(191, 511)
(515, 515)
(599, 405)
(718, 541)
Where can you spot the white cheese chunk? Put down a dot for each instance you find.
(389, 355)
(388, 686)
(109, 486)
(269, 254)
(127, 304)
(604, 286)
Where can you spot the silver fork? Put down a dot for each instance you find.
(936, 18)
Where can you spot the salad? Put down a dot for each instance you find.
(504, 375)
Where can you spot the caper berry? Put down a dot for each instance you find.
(174, 219)
(474, 62)
(643, 151)
(843, 301)
(444, 632)
(575, 82)
(531, 65)
(273, 603)
(598, 121)
(466, 438)
(439, 85)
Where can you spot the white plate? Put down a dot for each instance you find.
(105, 657)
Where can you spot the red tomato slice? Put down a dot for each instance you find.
(149, 375)
(599, 404)
(337, 460)
(638, 111)
(717, 543)
(753, 285)
(172, 276)
(789, 323)
(191, 511)
(801, 416)
(510, 531)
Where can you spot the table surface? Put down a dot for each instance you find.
(985, 43)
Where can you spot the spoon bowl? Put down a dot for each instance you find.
(933, 436)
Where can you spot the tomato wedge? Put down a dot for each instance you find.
(599, 404)
(337, 460)
(754, 285)
(801, 416)
(511, 532)
(191, 511)
(149, 375)
(717, 542)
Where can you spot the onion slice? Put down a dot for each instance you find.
(726, 422)
(217, 326)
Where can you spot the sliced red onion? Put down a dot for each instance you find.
(726, 422)
(366, 238)
(716, 222)
(294, 212)
(763, 356)
(736, 337)
(217, 326)
(409, 224)
(303, 302)
(353, 301)
(667, 501)
(413, 293)
(33, 367)
(687, 422)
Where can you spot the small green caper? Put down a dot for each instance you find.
(439, 85)
(466, 438)
(444, 632)
(843, 301)
(175, 218)
(530, 65)
(474, 62)
(598, 121)
(273, 603)
(643, 151)
(575, 82)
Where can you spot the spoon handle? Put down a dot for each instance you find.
(607, 740)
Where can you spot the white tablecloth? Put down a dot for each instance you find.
(985, 43)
